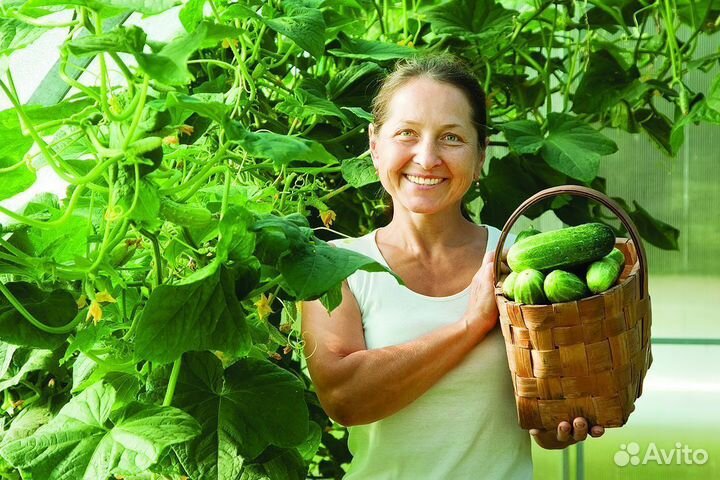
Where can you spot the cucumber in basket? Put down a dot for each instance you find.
(528, 287)
(558, 249)
(602, 274)
(561, 286)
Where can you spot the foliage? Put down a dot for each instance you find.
(149, 320)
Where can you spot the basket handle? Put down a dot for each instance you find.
(579, 192)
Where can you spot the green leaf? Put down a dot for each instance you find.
(191, 14)
(253, 405)
(121, 39)
(55, 308)
(79, 444)
(7, 351)
(467, 19)
(312, 270)
(713, 95)
(570, 145)
(20, 178)
(147, 7)
(304, 104)
(659, 128)
(201, 312)
(200, 103)
(16, 35)
(282, 149)
(304, 26)
(350, 76)
(653, 230)
(604, 83)
(24, 362)
(371, 50)
(26, 423)
(359, 172)
(169, 65)
(236, 241)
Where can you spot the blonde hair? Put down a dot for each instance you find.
(442, 68)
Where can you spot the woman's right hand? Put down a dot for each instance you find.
(482, 313)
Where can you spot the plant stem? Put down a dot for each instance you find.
(174, 374)
(67, 328)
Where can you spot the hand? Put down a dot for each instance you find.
(482, 313)
(566, 434)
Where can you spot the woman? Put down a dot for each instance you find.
(419, 372)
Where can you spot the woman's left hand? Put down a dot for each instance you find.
(566, 434)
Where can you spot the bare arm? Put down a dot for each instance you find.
(356, 385)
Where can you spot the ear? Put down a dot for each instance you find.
(480, 163)
(372, 142)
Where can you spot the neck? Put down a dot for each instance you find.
(423, 233)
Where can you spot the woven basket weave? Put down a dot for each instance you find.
(586, 358)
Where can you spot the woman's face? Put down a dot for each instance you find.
(427, 152)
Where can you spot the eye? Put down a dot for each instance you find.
(451, 137)
(405, 133)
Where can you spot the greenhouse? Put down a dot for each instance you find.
(361, 239)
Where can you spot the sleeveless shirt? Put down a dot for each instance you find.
(465, 426)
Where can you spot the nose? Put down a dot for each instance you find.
(427, 154)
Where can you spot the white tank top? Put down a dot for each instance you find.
(465, 426)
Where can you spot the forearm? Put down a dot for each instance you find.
(382, 381)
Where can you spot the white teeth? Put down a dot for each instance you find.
(423, 181)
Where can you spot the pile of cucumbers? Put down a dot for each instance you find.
(562, 265)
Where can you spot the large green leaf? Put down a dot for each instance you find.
(55, 308)
(282, 149)
(653, 230)
(304, 105)
(25, 361)
(121, 39)
(304, 26)
(199, 313)
(570, 146)
(371, 49)
(146, 7)
(15, 35)
(470, 18)
(80, 443)
(604, 83)
(359, 172)
(252, 405)
(169, 65)
(312, 270)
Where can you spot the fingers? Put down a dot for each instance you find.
(563, 431)
(580, 429)
(597, 431)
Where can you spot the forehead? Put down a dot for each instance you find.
(425, 98)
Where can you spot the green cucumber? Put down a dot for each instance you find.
(559, 249)
(508, 285)
(529, 287)
(618, 256)
(190, 216)
(526, 233)
(602, 274)
(561, 286)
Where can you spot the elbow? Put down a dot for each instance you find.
(337, 408)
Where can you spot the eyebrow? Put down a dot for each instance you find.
(447, 125)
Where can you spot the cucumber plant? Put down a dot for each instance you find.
(160, 297)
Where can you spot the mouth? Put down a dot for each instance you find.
(424, 181)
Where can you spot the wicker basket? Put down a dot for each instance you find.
(586, 358)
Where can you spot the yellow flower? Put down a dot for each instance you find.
(104, 297)
(263, 307)
(95, 312)
(328, 217)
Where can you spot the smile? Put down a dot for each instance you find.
(424, 181)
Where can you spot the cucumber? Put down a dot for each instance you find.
(185, 215)
(559, 249)
(526, 233)
(618, 256)
(529, 287)
(509, 285)
(602, 274)
(561, 286)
